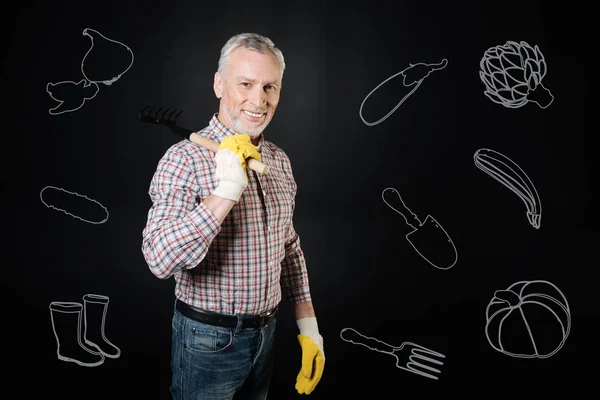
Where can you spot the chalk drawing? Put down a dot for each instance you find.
(415, 74)
(509, 174)
(105, 62)
(71, 96)
(95, 68)
(428, 238)
(409, 356)
(530, 319)
(512, 74)
(79, 331)
(71, 199)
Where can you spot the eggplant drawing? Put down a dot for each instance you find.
(415, 74)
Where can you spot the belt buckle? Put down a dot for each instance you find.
(263, 317)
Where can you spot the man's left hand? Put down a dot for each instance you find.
(313, 356)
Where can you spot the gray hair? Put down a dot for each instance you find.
(252, 41)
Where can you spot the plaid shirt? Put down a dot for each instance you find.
(241, 266)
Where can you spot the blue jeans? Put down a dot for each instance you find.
(216, 363)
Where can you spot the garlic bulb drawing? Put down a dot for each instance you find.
(106, 60)
(513, 73)
(104, 63)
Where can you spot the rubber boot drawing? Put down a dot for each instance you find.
(66, 324)
(95, 307)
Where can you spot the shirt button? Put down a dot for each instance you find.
(264, 193)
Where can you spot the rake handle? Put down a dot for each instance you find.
(213, 146)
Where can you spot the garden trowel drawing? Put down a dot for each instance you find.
(428, 238)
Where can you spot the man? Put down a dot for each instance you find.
(225, 233)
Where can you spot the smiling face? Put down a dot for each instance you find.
(249, 88)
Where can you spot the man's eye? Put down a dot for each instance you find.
(270, 87)
(245, 84)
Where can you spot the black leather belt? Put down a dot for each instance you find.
(227, 321)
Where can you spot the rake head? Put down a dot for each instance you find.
(159, 114)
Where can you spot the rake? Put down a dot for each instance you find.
(167, 116)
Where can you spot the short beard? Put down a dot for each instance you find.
(253, 133)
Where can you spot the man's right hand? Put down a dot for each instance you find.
(231, 166)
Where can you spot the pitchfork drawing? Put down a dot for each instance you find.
(408, 355)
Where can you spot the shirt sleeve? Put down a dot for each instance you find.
(179, 227)
(294, 275)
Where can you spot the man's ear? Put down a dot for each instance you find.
(218, 85)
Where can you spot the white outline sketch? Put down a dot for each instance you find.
(429, 226)
(78, 87)
(104, 346)
(509, 174)
(68, 213)
(70, 343)
(408, 355)
(414, 73)
(512, 74)
(515, 291)
(114, 78)
(70, 86)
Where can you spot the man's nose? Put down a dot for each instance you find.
(258, 97)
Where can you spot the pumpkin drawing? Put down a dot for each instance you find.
(530, 319)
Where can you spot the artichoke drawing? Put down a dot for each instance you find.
(513, 73)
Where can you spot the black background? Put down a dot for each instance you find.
(363, 272)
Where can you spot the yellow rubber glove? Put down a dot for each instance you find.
(242, 146)
(313, 356)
